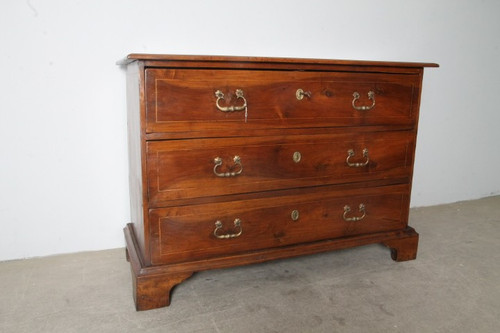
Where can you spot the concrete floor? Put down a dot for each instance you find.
(453, 286)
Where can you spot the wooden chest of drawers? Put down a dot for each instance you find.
(237, 160)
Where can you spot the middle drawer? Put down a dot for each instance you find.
(197, 168)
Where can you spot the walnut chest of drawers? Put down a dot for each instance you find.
(239, 160)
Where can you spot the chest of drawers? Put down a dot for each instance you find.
(239, 160)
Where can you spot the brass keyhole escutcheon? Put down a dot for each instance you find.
(295, 215)
(297, 156)
(300, 93)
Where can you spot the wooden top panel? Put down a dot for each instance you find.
(267, 60)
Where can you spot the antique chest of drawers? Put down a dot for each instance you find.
(239, 160)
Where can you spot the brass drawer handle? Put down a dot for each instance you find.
(237, 162)
(301, 93)
(232, 108)
(371, 96)
(350, 153)
(347, 209)
(237, 225)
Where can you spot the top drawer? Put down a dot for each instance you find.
(202, 101)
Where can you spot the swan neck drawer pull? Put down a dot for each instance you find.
(371, 96)
(239, 95)
(218, 163)
(237, 226)
(347, 210)
(350, 153)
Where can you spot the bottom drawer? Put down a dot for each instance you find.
(205, 231)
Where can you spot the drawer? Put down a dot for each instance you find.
(197, 102)
(206, 231)
(197, 168)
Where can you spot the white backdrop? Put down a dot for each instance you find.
(63, 185)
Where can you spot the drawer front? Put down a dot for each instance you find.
(202, 101)
(197, 168)
(206, 231)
